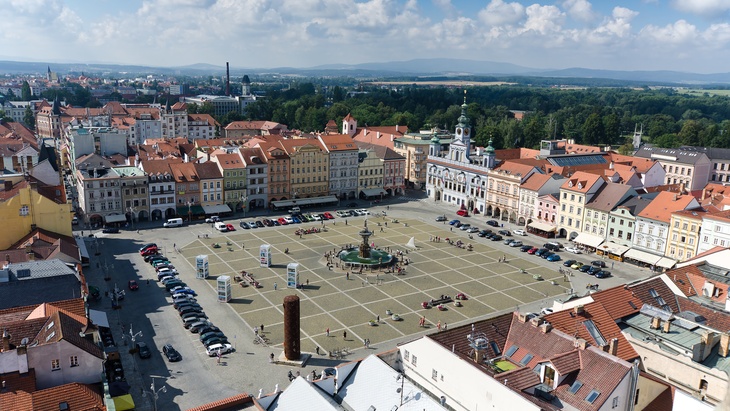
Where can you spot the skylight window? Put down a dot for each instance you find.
(527, 359)
(575, 387)
(592, 396)
(510, 352)
(495, 347)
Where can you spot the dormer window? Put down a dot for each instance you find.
(570, 183)
(580, 186)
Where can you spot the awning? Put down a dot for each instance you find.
(589, 239)
(666, 262)
(613, 248)
(541, 226)
(115, 218)
(99, 318)
(216, 209)
(197, 210)
(306, 201)
(642, 256)
(371, 192)
(283, 203)
(194, 210)
(124, 402)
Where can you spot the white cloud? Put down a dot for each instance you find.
(706, 8)
(679, 33)
(498, 13)
(543, 19)
(581, 10)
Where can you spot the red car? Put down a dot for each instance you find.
(532, 250)
(149, 251)
(282, 221)
(329, 216)
(230, 227)
(133, 285)
(462, 213)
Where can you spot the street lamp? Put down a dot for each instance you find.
(132, 211)
(190, 213)
(155, 393)
(244, 200)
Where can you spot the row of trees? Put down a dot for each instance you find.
(589, 116)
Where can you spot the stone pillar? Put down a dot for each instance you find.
(292, 346)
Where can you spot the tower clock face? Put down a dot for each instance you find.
(466, 131)
(458, 130)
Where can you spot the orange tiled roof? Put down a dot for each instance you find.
(515, 168)
(535, 181)
(664, 204)
(580, 182)
(230, 403)
(338, 142)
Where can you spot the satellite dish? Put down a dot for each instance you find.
(24, 341)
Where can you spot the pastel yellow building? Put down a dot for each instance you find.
(684, 234)
(309, 161)
(23, 208)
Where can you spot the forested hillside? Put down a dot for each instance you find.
(590, 116)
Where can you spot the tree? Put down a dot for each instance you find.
(612, 128)
(29, 118)
(689, 135)
(25, 93)
(206, 108)
(593, 130)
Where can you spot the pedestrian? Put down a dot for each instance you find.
(444, 326)
(345, 221)
(317, 350)
(307, 281)
(386, 223)
(347, 275)
(344, 335)
(256, 330)
(387, 207)
(451, 228)
(438, 326)
(327, 331)
(612, 265)
(271, 357)
(378, 318)
(219, 357)
(274, 286)
(262, 328)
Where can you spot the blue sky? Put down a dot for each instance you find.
(683, 35)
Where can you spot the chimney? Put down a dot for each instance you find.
(478, 356)
(545, 327)
(656, 323)
(397, 128)
(724, 344)
(580, 344)
(666, 327)
(536, 321)
(228, 80)
(8, 185)
(6, 341)
(613, 346)
(681, 188)
(378, 135)
(522, 318)
(578, 309)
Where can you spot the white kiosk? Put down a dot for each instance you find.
(224, 288)
(201, 266)
(265, 255)
(292, 275)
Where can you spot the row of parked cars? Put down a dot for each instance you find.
(594, 268)
(293, 219)
(184, 302)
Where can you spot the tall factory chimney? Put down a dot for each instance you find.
(228, 80)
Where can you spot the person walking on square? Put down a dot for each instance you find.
(274, 286)
(262, 328)
(317, 350)
(344, 335)
(327, 331)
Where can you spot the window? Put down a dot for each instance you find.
(592, 396)
(74, 361)
(55, 365)
(511, 351)
(413, 360)
(435, 375)
(527, 359)
(575, 387)
(24, 210)
(614, 402)
(406, 354)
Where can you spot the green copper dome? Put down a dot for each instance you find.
(435, 139)
(489, 148)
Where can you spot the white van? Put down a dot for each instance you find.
(221, 226)
(173, 222)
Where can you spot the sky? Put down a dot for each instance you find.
(681, 35)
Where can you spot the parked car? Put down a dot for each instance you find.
(268, 223)
(462, 213)
(472, 230)
(584, 268)
(342, 214)
(187, 291)
(553, 257)
(598, 263)
(464, 226)
(213, 219)
(218, 349)
(593, 270)
(541, 252)
(189, 304)
(493, 223)
(143, 350)
(132, 284)
(183, 298)
(208, 327)
(603, 274)
(544, 256)
(546, 311)
(505, 233)
(519, 232)
(507, 241)
(496, 237)
(568, 263)
(147, 247)
(150, 254)
(200, 315)
(243, 225)
(190, 309)
(197, 326)
(230, 227)
(515, 243)
(171, 353)
(551, 247)
(483, 233)
(440, 218)
(328, 215)
(574, 250)
(525, 248)
(252, 224)
(533, 250)
(576, 265)
(259, 224)
(215, 340)
(454, 222)
(110, 230)
(210, 334)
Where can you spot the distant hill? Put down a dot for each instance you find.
(409, 68)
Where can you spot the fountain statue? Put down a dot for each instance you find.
(365, 245)
(363, 255)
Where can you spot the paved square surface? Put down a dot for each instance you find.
(330, 300)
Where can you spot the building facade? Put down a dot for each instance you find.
(135, 196)
(684, 234)
(575, 193)
(343, 160)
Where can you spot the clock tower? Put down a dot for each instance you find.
(460, 147)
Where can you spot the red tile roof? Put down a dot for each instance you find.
(231, 403)
(79, 397)
(664, 204)
(580, 182)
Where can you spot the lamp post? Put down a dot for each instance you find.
(190, 213)
(244, 200)
(133, 337)
(132, 211)
(154, 392)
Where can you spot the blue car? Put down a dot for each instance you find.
(454, 222)
(553, 257)
(296, 220)
(187, 291)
